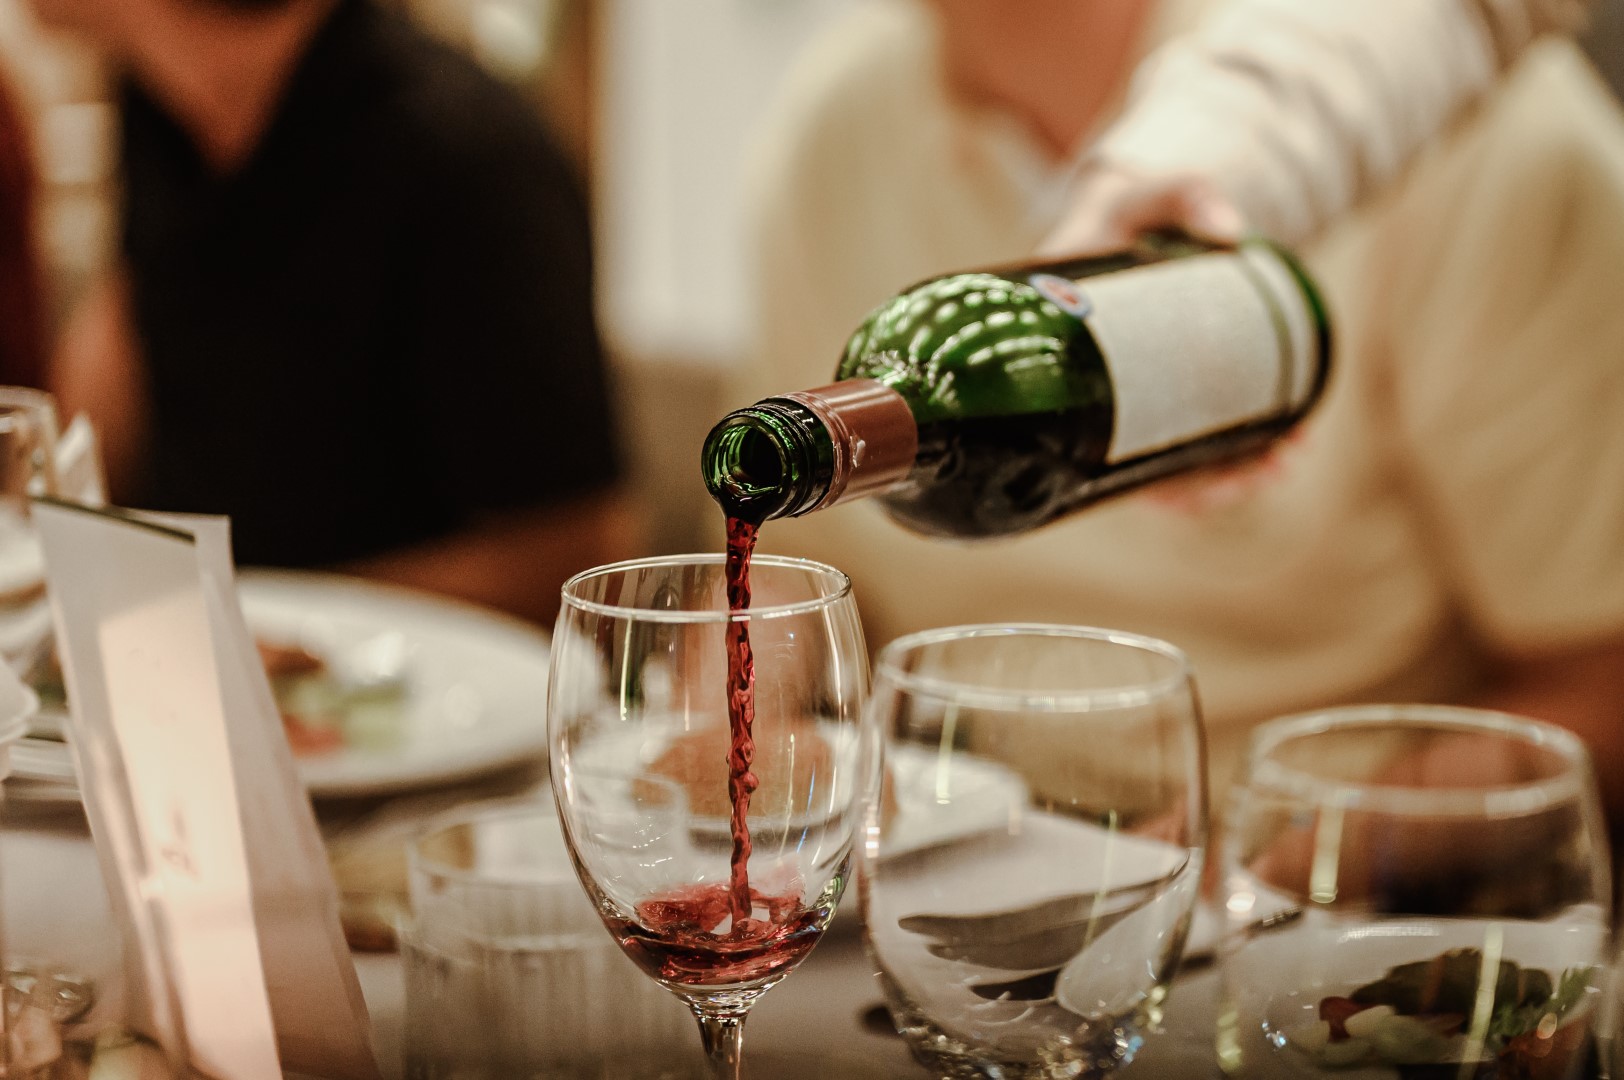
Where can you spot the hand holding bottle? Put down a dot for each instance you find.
(1112, 206)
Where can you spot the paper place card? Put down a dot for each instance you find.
(203, 828)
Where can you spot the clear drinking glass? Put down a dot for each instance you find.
(1033, 862)
(508, 971)
(638, 718)
(27, 469)
(1414, 889)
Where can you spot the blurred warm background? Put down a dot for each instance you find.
(656, 102)
(664, 109)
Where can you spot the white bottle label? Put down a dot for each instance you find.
(1200, 344)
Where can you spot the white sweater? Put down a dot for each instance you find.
(1299, 108)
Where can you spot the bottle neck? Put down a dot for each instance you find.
(788, 456)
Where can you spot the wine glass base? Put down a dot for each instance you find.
(1093, 1055)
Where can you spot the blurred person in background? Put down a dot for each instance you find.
(22, 306)
(354, 310)
(1449, 524)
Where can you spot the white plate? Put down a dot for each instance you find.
(476, 694)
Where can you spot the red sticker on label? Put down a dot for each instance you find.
(1062, 293)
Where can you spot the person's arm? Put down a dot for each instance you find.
(1507, 392)
(96, 370)
(1295, 110)
(1582, 689)
(517, 561)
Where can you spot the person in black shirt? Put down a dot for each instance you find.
(355, 309)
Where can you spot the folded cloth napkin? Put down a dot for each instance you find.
(79, 474)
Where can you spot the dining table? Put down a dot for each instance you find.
(825, 1021)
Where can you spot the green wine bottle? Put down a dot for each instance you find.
(992, 402)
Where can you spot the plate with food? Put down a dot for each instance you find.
(380, 688)
(383, 689)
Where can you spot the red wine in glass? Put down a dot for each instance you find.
(716, 935)
(679, 938)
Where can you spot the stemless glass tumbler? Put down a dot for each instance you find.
(715, 904)
(1032, 864)
(1415, 891)
(508, 970)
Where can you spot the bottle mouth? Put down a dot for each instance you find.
(752, 463)
(763, 462)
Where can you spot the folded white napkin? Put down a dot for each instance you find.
(79, 474)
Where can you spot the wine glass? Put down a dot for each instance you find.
(1417, 888)
(1032, 865)
(27, 469)
(650, 669)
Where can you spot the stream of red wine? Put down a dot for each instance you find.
(678, 937)
(741, 712)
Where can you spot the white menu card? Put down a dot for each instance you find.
(204, 831)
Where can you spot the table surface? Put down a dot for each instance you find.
(819, 1022)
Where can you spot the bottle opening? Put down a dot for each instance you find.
(758, 465)
(790, 455)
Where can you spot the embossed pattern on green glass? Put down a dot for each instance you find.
(974, 344)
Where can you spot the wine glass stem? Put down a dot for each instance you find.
(723, 1037)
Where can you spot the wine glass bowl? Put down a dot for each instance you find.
(1029, 880)
(1413, 888)
(646, 769)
